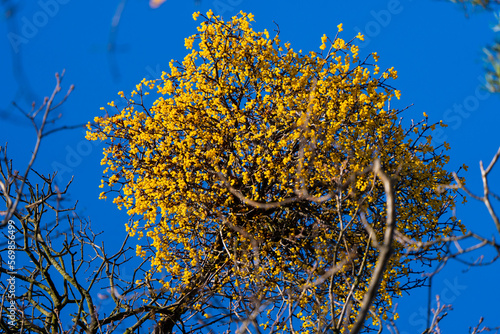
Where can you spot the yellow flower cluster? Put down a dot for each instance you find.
(243, 109)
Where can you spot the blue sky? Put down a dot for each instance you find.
(434, 47)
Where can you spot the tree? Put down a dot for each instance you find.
(267, 183)
(54, 269)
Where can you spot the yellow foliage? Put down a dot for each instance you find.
(244, 108)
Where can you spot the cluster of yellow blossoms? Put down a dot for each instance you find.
(244, 120)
